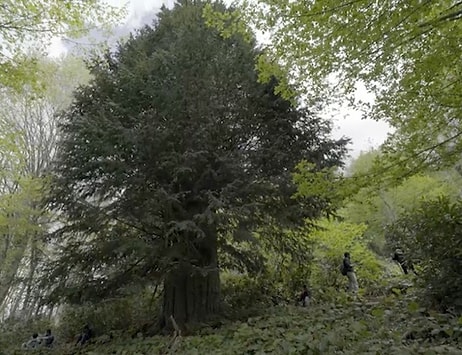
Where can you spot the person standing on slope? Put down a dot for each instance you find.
(350, 273)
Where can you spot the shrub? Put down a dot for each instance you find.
(14, 332)
(331, 241)
(128, 315)
(431, 235)
(244, 295)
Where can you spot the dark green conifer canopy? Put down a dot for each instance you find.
(175, 142)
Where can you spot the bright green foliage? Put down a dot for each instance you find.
(379, 204)
(59, 78)
(277, 260)
(26, 24)
(18, 228)
(28, 139)
(406, 52)
(382, 207)
(28, 122)
(326, 182)
(431, 236)
(331, 241)
(364, 163)
(19, 195)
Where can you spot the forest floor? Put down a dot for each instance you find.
(385, 325)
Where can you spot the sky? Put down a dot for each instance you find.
(364, 133)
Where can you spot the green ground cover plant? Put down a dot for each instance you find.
(395, 323)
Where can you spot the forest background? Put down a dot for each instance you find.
(175, 191)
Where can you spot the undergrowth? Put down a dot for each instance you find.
(394, 324)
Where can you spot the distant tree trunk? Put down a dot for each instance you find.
(9, 276)
(192, 292)
(17, 301)
(29, 298)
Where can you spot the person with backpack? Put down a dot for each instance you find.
(348, 270)
(305, 296)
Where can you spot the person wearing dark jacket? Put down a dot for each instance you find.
(350, 273)
(85, 336)
(399, 257)
(48, 339)
(305, 297)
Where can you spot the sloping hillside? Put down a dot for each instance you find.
(379, 326)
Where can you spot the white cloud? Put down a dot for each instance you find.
(139, 13)
(139, 10)
(56, 48)
(364, 133)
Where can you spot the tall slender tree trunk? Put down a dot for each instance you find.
(17, 301)
(9, 279)
(192, 292)
(30, 298)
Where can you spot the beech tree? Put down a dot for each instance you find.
(170, 155)
(405, 52)
(380, 205)
(27, 27)
(28, 138)
(430, 235)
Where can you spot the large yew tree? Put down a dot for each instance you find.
(173, 150)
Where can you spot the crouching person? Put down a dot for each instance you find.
(47, 339)
(32, 343)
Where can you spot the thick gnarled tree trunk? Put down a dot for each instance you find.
(192, 292)
(191, 297)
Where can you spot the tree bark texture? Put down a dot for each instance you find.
(192, 291)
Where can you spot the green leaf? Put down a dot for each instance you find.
(413, 307)
(378, 312)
